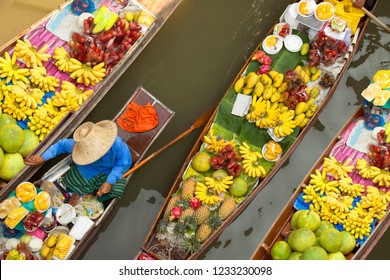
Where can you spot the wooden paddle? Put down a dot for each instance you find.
(374, 18)
(198, 123)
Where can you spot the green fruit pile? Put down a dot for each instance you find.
(15, 144)
(313, 239)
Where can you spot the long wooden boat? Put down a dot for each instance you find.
(138, 142)
(159, 247)
(341, 147)
(159, 9)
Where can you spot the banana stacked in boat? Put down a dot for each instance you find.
(252, 167)
(12, 71)
(85, 73)
(30, 54)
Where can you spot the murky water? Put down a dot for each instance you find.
(189, 65)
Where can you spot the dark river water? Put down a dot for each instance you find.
(189, 65)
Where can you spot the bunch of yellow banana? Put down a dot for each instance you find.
(53, 109)
(62, 59)
(253, 168)
(26, 95)
(348, 187)
(382, 179)
(30, 54)
(385, 195)
(43, 121)
(215, 144)
(257, 108)
(310, 195)
(219, 185)
(285, 125)
(337, 168)
(358, 223)
(248, 153)
(322, 184)
(85, 73)
(374, 204)
(46, 83)
(65, 102)
(79, 93)
(11, 71)
(338, 203)
(366, 170)
(13, 108)
(3, 89)
(270, 117)
(328, 214)
(206, 194)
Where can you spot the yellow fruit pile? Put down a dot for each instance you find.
(70, 97)
(15, 216)
(57, 246)
(85, 73)
(40, 78)
(206, 194)
(26, 192)
(378, 176)
(251, 165)
(214, 143)
(62, 59)
(42, 201)
(30, 54)
(11, 71)
(272, 150)
(219, 185)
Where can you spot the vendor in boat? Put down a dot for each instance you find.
(100, 156)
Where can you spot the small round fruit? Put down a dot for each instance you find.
(295, 256)
(331, 240)
(238, 188)
(201, 162)
(348, 244)
(281, 251)
(129, 16)
(314, 253)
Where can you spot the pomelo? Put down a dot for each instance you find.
(314, 253)
(348, 244)
(336, 256)
(30, 142)
(309, 219)
(1, 157)
(5, 118)
(295, 256)
(11, 137)
(323, 225)
(238, 188)
(280, 251)
(219, 174)
(201, 162)
(331, 240)
(12, 164)
(295, 217)
(302, 239)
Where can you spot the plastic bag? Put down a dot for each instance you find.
(347, 11)
(89, 206)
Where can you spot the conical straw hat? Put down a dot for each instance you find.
(93, 141)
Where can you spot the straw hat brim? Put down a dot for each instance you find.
(93, 141)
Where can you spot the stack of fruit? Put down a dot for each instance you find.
(338, 199)
(313, 239)
(326, 50)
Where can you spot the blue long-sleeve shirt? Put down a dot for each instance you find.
(114, 163)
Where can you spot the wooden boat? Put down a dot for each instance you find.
(160, 9)
(157, 249)
(341, 148)
(138, 142)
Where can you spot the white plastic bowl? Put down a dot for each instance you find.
(319, 6)
(293, 43)
(311, 6)
(65, 214)
(274, 49)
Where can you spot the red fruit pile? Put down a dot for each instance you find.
(108, 47)
(326, 50)
(33, 221)
(379, 155)
(228, 159)
(296, 90)
(265, 60)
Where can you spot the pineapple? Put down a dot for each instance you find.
(227, 208)
(180, 229)
(188, 188)
(183, 204)
(202, 214)
(203, 232)
(187, 212)
(190, 223)
(162, 226)
(191, 245)
(171, 204)
(205, 229)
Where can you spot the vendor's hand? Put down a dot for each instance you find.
(358, 3)
(104, 189)
(33, 160)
